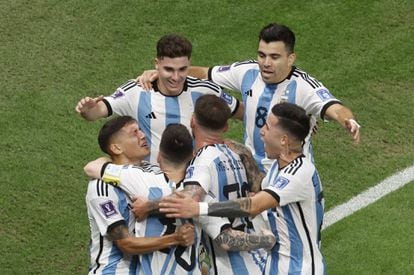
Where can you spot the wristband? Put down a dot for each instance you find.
(356, 123)
(203, 208)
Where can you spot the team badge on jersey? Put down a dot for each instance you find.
(227, 98)
(280, 183)
(118, 93)
(108, 208)
(224, 68)
(324, 94)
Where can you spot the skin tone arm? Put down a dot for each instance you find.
(344, 116)
(254, 176)
(92, 108)
(231, 240)
(142, 208)
(140, 245)
(93, 168)
(182, 206)
(234, 240)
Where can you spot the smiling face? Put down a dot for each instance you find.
(172, 73)
(273, 137)
(130, 142)
(275, 61)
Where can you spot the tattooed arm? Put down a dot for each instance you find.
(183, 206)
(118, 233)
(254, 176)
(234, 240)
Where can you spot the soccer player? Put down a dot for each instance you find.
(111, 221)
(171, 99)
(272, 79)
(293, 196)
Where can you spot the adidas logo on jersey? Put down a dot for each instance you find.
(248, 93)
(151, 115)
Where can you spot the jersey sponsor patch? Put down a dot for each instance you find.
(108, 208)
(227, 98)
(118, 93)
(280, 183)
(224, 68)
(324, 94)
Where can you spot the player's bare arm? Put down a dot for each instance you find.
(234, 240)
(183, 206)
(142, 208)
(254, 175)
(92, 108)
(93, 168)
(199, 72)
(345, 118)
(139, 245)
(194, 191)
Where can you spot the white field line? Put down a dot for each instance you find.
(369, 196)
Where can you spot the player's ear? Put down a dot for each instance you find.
(115, 148)
(156, 63)
(291, 59)
(192, 122)
(284, 140)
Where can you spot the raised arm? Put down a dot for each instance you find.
(92, 108)
(128, 244)
(345, 118)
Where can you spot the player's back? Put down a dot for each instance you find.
(221, 173)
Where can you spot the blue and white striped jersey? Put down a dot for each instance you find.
(221, 174)
(154, 110)
(149, 182)
(107, 206)
(297, 221)
(259, 97)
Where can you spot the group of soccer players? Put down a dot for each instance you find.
(153, 160)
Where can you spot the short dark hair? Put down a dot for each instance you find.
(110, 128)
(173, 45)
(275, 32)
(176, 144)
(293, 119)
(211, 112)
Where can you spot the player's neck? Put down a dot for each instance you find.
(208, 140)
(123, 160)
(204, 137)
(176, 174)
(286, 158)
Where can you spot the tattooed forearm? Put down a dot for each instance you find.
(236, 208)
(118, 232)
(254, 176)
(234, 240)
(195, 191)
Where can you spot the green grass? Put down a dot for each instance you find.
(55, 52)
